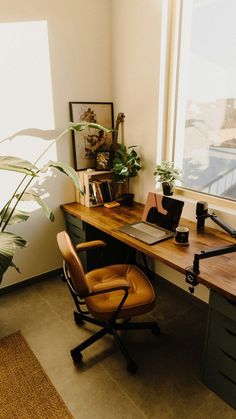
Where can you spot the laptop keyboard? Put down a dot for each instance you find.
(145, 228)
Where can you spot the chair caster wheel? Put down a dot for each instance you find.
(77, 357)
(156, 331)
(78, 319)
(132, 367)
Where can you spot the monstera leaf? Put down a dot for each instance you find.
(8, 244)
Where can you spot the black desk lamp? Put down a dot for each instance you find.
(201, 215)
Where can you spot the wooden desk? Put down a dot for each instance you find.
(218, 273)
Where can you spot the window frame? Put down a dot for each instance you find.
(176, 14)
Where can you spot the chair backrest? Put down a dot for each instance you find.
(73, 263)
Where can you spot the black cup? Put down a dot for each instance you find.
(181, 236)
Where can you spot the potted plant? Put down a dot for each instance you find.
(126, 164)
(167, 174)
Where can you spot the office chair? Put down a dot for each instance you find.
(107, 297)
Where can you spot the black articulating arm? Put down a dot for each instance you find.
(193, 271)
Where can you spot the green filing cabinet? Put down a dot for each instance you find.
(219, 369)
(115, 252)
(76, 230)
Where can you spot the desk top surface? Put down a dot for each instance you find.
(218, 272)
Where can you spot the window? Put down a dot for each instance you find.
(204, 124)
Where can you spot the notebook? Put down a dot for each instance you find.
(159, 220)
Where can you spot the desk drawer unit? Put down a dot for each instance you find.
(76, 230)
(219, 370)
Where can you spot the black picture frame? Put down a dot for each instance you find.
(103, 160)
(88, 142)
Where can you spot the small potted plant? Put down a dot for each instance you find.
(126, 164)
(167, 174)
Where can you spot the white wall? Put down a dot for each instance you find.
(136, 26)
(79, 46)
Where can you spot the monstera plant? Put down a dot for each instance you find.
(10, 214)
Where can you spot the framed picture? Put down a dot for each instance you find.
(103, 160)
(88, 142)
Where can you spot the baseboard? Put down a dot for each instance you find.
(30, 281)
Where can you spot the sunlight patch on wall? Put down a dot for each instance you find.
(26, 101)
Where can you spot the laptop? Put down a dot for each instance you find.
(159, 220)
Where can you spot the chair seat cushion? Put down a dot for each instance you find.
(140, 300)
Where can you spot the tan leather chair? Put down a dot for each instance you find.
(109, 294)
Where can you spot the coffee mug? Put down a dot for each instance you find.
(181, 236)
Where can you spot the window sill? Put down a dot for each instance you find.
(225, 204)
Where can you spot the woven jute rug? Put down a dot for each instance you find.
(25, 389)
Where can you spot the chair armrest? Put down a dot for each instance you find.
(93, 244)
(104, 287)
(120, 284)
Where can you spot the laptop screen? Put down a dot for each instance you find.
(163, 211)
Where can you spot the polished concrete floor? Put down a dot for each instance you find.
(168, 383)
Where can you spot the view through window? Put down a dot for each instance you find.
(205, 142)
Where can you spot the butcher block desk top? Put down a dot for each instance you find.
(217, 272)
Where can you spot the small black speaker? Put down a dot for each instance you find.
(201, 211)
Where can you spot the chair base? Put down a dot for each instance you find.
(111, 327)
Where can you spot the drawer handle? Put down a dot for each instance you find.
(227, 378)
(228, 355)
(230, 332)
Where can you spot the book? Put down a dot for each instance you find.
(105, 191)
(98, 188)
(111, 189)
(92, 193)
(99, 196)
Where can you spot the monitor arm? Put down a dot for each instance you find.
(219, 222)
(193, 271)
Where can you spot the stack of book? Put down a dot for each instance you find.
(98, 187)
(101, 191)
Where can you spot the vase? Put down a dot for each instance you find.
(168, 188)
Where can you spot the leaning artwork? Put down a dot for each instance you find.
(87, 143)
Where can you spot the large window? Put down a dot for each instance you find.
(205, 106)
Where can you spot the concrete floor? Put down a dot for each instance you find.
(168, 383)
